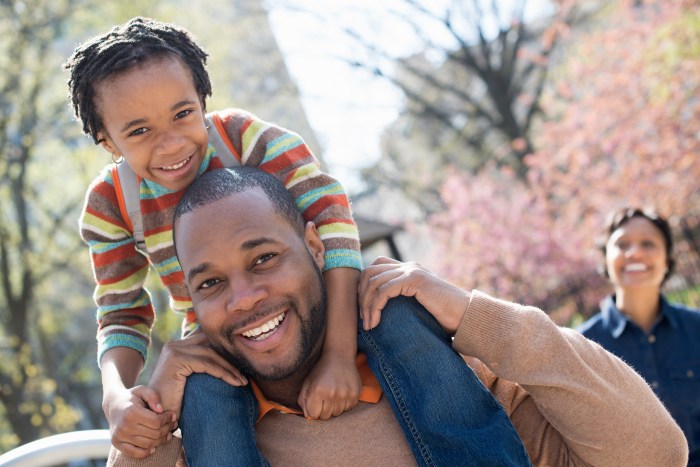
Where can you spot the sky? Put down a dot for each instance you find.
(346, 107)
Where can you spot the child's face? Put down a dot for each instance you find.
(153, 117)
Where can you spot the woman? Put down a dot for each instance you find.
(661, 340)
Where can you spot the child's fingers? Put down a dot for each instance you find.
(152, 399)
(378, 290)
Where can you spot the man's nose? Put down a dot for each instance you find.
(244, 293)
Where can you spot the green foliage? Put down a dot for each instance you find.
(48, 376)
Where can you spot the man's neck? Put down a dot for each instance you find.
(287, 390)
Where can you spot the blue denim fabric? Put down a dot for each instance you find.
(668, 358)
(218, 423)
(448, 416)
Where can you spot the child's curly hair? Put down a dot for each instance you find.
(121, 49)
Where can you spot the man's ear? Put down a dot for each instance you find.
(314, 244)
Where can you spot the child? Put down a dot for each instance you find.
(140, 91)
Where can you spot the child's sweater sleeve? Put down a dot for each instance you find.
(319, 197)
(125, 314)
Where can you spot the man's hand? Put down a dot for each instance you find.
(137, 422)
(181, 358)
(332, 387)
(387, 278)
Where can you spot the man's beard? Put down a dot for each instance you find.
(313, 325)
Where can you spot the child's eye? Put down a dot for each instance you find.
(209, 283)
(138, 131)
(183, 114)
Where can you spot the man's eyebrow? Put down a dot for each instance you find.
(255, 242)
(197, 270)
(141, 121)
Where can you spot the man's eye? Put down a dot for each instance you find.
(208, 283)
(183, 113)
(138, 132)
(264, 258)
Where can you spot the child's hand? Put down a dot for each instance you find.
(179, 359)
(137, 422)
(332, 387)
(386, 278)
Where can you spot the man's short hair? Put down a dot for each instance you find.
(221, 183)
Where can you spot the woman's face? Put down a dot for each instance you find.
(636, 255)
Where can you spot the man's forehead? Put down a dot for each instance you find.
(242, 221)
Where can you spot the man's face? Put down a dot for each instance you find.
(255, 283)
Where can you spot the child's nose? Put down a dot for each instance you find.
(171, 141)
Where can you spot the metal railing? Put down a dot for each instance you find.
(59, 449)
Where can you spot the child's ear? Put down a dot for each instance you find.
(104, 141)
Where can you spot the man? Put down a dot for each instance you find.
(253, 272)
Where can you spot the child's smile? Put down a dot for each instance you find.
(153, 117)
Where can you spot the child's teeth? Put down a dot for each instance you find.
(176, 166)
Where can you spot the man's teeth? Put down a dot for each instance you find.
(176, 166)
(635, 267)
(267, 327)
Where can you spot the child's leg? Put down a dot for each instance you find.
(448, 416)
(218, 423)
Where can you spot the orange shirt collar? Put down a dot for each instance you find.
(371, 391)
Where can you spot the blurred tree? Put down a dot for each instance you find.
(622, 128)
(35, 237)
(48, 382)
(472, 93)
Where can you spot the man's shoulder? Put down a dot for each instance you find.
(593, 327)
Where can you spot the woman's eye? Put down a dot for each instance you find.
(208, 283)
(183, 113)
(622, 245)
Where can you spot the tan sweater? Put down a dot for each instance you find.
(572, 402)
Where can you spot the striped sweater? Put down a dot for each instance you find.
(125, 314)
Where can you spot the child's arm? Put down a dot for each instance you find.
(125, 317)
(137, 422)
(334, 385)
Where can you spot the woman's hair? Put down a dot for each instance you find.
(620, 217)
(123, 48)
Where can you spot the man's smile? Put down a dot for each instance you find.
(266, 329)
